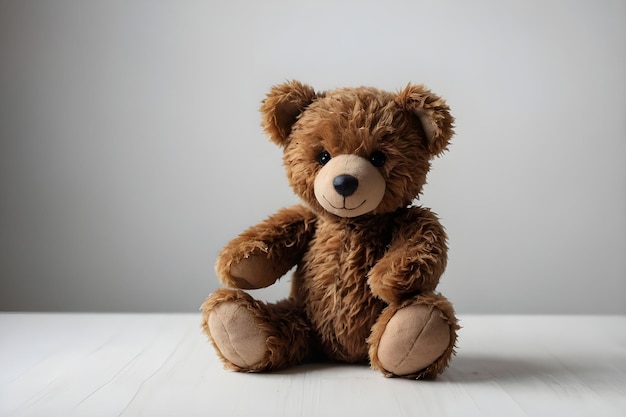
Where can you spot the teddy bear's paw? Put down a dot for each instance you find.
(414, 338)
(237, 336)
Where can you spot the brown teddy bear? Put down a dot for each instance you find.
(367, 260)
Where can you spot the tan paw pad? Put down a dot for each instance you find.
(413, 339)
(237, 335)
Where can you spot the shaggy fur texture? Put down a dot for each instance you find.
(353, 274)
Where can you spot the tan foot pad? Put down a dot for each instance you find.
(413, 339)
(237, 335)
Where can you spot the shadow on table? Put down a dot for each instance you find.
(469, 369)
(323, 366)
(481, 368)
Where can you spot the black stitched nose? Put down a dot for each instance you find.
(345, 184)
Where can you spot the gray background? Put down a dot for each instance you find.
(131, 152)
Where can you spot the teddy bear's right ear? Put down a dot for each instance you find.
(281, 109)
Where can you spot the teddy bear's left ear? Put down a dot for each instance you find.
(281, 109)
(433, 113)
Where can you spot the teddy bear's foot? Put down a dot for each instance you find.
(415, 341)
(237, 336)
(230, 323)
(252, 336)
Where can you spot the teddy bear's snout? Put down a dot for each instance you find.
(345, 184)
(349, 185)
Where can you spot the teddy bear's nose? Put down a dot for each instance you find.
(345, 184)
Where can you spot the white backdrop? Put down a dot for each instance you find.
(131, 152)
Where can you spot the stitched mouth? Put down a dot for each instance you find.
(344, 204)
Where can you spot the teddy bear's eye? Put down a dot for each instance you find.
(323, 157)
(377, 158)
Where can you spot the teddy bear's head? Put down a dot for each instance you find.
(356, 151)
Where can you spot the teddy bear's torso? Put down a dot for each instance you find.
(332, 284)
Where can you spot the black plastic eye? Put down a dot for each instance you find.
(377, 158)
(323, 157)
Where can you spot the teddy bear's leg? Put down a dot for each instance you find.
(252, 336)
(414, 339)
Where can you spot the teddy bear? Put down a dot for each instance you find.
(367, 259)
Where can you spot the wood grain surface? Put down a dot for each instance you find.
(161, 365)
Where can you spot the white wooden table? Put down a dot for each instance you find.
(162, 365)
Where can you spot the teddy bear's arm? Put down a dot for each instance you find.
(265, 252)
(415, 259)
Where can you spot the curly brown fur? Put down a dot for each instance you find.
(330, 284)
(352, 273)
(282, 106)
(434, 114)
(415, 259)
(275, 245)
